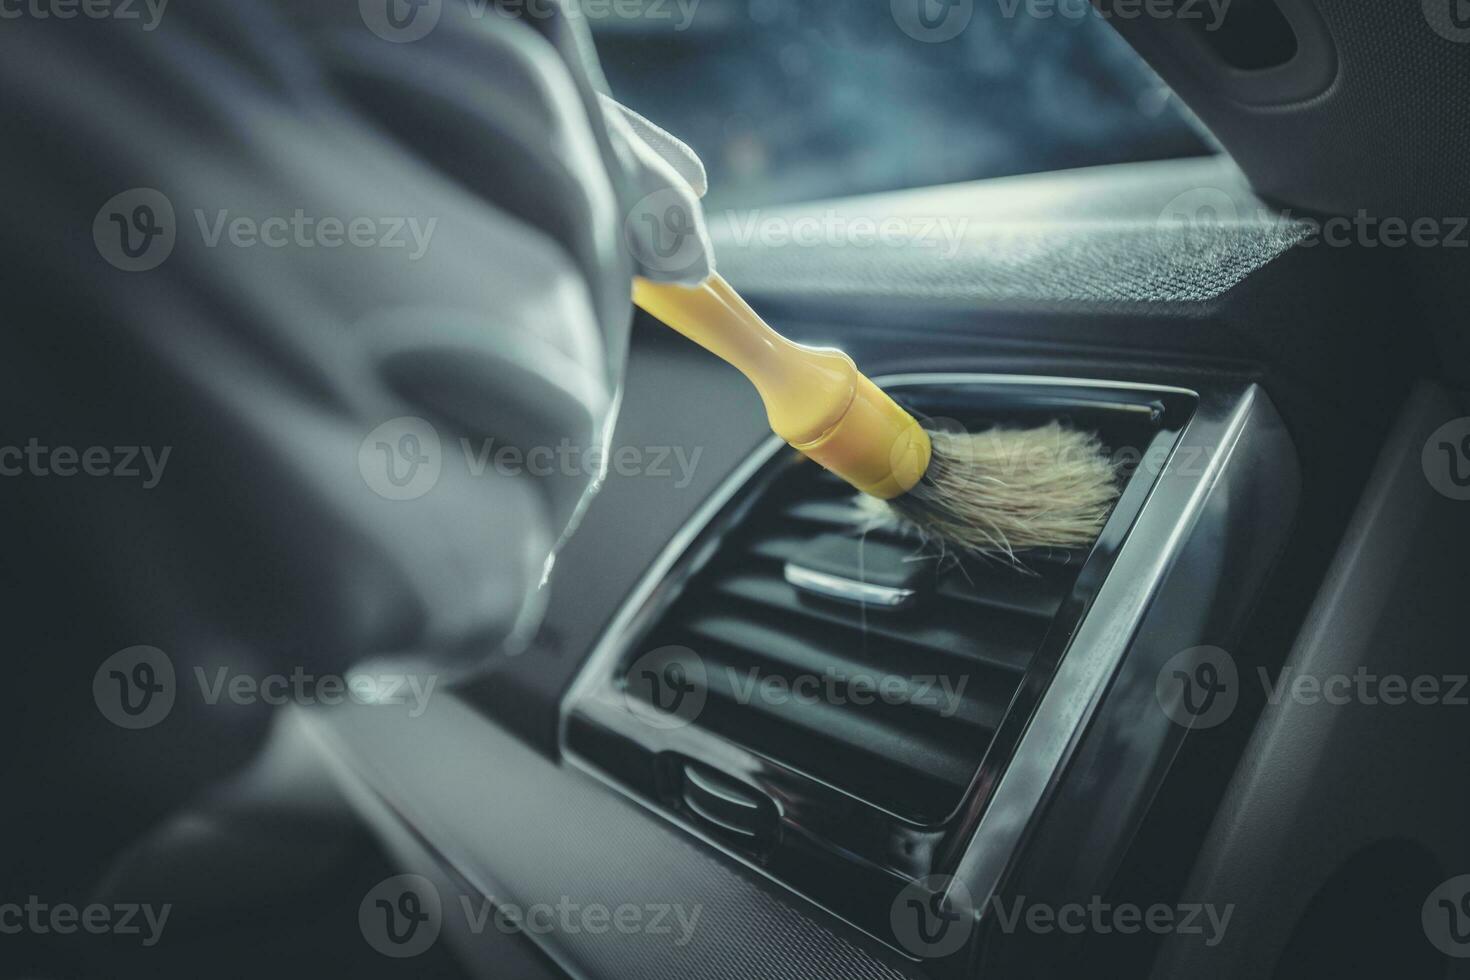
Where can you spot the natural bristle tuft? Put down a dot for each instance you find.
(1003, 491)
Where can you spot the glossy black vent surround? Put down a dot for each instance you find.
(834, 700)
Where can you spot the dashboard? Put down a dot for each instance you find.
(820, 840)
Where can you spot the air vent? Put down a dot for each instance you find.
(830, 701)
(853, 653)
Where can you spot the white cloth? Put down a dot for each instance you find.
(666, 230)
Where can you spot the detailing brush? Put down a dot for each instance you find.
(994, 492)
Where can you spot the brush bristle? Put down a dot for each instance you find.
(1003, 491)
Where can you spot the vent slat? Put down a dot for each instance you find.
(778, 547)
(841, 512)
(1037, 596)
(848, 746)
(919, 699)
(844, 514)
(935, 633)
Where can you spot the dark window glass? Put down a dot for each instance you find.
(790, 100)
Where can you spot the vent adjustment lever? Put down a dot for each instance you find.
(856, 570)
(729, 807)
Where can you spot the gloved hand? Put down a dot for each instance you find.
(345, 314)
(335, 414)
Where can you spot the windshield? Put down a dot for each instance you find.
(792, 101)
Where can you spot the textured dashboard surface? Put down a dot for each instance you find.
(1169, 232)
(524, 832)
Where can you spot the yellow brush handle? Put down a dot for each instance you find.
(816, 399)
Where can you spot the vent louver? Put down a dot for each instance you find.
(894, 705)
(828, 701)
